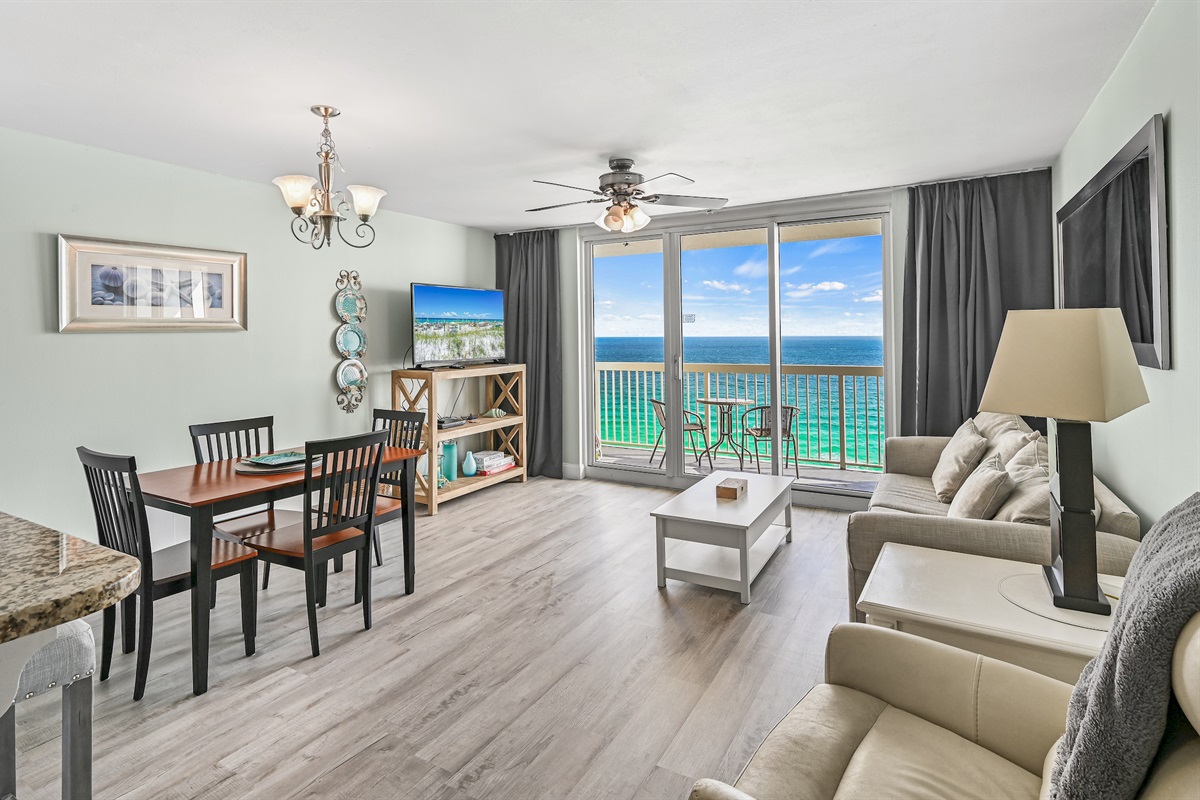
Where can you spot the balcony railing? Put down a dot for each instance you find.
(839, 419)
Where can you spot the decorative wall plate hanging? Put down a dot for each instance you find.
(350, 341)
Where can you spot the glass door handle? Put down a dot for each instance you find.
(679, 368)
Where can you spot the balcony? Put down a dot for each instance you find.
(837, 427)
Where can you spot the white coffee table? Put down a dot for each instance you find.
(990, 606)
(723, 543)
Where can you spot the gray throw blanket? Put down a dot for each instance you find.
(1118, 710)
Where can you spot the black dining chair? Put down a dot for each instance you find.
(341, 482)
(404, 430)
(241, 438)
(121, 524)
(756, 423)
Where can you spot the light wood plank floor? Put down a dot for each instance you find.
(537, 659)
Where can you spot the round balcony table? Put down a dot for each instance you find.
(725, 406)
(48, 578)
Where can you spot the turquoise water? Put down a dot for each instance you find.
(824, 404)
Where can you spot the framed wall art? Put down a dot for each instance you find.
(113, 286)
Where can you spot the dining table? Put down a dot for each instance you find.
(201, 492)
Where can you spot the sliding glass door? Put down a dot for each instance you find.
(756, 348)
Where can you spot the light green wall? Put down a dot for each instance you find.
(1151, 457)
(137, 393)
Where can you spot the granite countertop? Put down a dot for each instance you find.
(48, 578)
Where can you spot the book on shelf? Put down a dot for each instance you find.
(492, 463)
(495, 470)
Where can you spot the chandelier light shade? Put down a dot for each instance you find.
(318, 206)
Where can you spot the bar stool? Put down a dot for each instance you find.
(69, 661)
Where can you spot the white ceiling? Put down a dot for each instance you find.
(453, 107)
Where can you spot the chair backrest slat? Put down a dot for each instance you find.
(340, 491)
(119, 506)
(239, 438)
(660, 411)
(404, 430)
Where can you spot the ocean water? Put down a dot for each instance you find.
(839, 350)
(836, 419)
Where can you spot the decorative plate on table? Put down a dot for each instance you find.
(350, 340)
(351, 374)
(351, 306)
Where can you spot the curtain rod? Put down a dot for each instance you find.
(972, 177)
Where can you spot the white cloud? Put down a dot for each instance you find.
(606, 303)
(751, 269)
(726, 287)
(832, 246)
(650, 317)
(808, 289)
(791, 270)
(874, 297)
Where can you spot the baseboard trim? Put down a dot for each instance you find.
(572, 472)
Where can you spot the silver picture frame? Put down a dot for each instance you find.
(113, 286)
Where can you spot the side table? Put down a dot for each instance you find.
(990, 606)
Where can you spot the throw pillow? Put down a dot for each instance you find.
(991, 424)
(1028, 503)
(1031, 461)
(983, 492)
(1008, 443)
(958, 461)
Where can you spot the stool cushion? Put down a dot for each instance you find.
(69, 658)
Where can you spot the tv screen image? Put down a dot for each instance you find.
(455, 324)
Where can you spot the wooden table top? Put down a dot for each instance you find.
(48, 578)
(205, 484)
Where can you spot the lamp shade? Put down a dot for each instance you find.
(639, 218)
(1073, 364)
(366, 200)
(297, 189)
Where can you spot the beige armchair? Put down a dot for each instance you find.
(904, 717)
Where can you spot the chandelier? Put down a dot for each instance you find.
(319, 209)
(623, 216)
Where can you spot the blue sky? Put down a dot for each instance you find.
(831, 287)
(448, 302)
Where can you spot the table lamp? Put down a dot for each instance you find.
(1076, 366)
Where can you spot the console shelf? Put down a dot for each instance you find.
(418, 390)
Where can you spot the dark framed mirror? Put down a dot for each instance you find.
(1113, 244)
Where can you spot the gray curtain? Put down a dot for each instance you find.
(977, 249)
(527, 271)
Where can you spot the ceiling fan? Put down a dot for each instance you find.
(623, 189)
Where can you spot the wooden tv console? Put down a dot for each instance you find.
(417, 390)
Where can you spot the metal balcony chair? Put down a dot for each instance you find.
(689, 427)
(756, 423)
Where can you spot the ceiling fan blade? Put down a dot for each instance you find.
(568, 186)
(681, 180)
(686, 201)
(576, 203)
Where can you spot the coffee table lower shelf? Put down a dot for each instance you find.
(720, 567)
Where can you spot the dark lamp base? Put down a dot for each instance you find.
(1097, 605)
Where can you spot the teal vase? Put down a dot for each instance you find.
(469, 465)
(450, 454)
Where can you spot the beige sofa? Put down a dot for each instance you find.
(904, 717)
(905, 509)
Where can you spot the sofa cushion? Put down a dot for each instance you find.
(958, 461)
(984, 492)
(898, 492)
(1008, 444)
(906, 756)
(1032, 460)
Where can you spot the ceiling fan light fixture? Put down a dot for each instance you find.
(613, 219)
(639, 218)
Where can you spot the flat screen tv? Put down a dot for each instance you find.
(456, 325)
